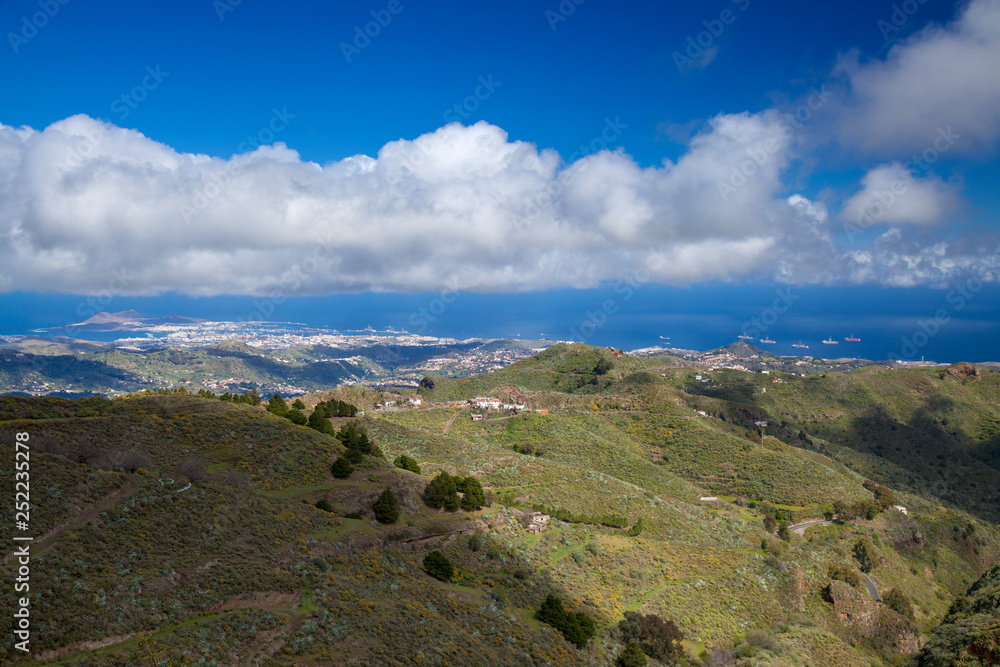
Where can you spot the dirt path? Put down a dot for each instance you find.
(447, 427)
(45, 542)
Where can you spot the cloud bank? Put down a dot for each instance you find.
(85, 204)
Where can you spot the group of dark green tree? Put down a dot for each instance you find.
(319, 419)
(249, 398)
(866, 508)
(442, 493)
(358, 445)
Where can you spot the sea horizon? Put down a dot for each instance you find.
(923, 324)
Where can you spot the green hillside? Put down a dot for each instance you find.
(970, 633)
(133, 566)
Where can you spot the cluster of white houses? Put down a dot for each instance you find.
(486, 403)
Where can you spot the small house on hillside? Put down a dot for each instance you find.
(537, 522)
(477, 418)
(414, 400)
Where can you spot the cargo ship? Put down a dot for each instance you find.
(800, 344)
(745, 337)
(766, 340)
(852, 339)
(830, 341)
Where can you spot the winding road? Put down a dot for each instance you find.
(800, 528)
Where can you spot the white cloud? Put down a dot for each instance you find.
(85, 204)
(942, 77)
(891, 194)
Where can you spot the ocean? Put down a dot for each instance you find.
(961, 324)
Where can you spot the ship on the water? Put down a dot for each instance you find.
(830, 341)
(766, 340)
(800, 344)
(745, 337)
(852, 339)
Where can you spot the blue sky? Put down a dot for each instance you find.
(274, 149)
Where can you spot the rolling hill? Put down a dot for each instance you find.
(659, 487)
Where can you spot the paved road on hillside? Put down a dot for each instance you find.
(872, 588)
(800, 528)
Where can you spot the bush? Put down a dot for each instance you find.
(298, 404)
(195, 469)
(865, 554)
(438, 566)
(632, 656)
(845, 574)
(406, 463)
(341, 468)
(324, 505)
(899, 602)
(577, 627)
(296, 417)
(130, 460)
(636, 529)
(659, 638)
(386, 507)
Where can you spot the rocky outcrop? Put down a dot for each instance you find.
(964, 369)
(872, 622)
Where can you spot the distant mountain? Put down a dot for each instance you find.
(743, 350)
(125, 320)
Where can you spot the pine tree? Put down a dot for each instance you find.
(276, 405)
(386, 507)
(473, 497)
(341, 468)
(438, 566)
(442, 492)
